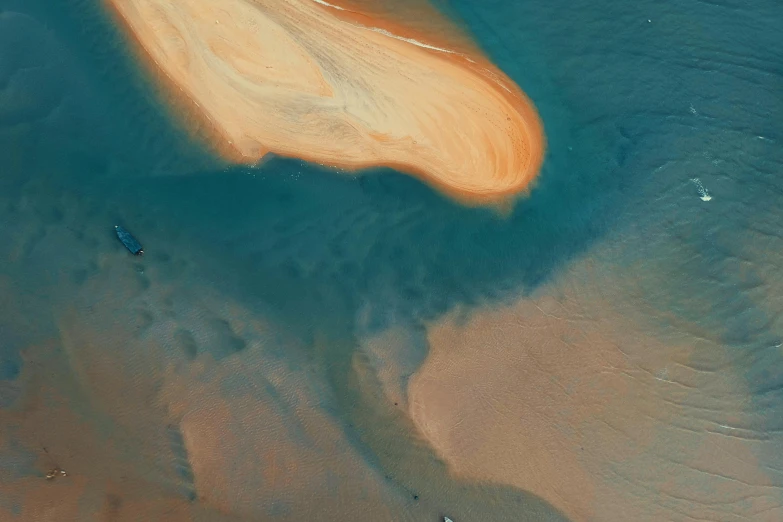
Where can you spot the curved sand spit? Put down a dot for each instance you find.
(314, 80)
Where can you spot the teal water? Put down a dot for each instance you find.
(637, 99)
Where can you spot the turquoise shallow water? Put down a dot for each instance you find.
(637, 101)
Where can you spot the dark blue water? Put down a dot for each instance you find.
(637, 100)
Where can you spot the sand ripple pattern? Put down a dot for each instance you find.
(337, 87)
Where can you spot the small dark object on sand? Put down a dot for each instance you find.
(55, 472)
(129, 241)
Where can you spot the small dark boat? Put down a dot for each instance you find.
(129, 241)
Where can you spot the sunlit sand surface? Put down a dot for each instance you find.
(333, 85)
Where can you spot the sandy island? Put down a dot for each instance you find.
(339, 87)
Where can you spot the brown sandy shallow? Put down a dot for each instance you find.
(340, 87)
(149, 429)
(167, 398)
(571, 397)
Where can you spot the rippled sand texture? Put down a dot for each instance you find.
(163, 405)
(334, 86)
(572, 397)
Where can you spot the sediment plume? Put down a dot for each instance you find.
(572, 397)
(344, 87)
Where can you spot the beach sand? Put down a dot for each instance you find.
(341, 88)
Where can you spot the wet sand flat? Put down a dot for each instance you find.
(569, 397)
(335, 86)
(186, 438)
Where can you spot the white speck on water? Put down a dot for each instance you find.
(703, 194)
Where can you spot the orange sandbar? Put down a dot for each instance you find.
(332, 85)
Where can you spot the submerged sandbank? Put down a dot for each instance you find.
(342, 88)
(568, 397)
